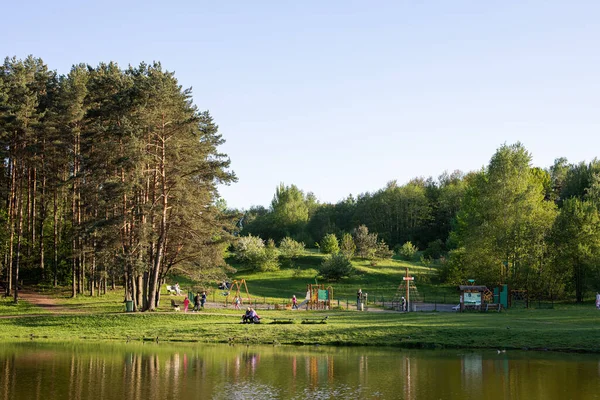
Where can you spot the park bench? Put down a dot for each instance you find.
(315, 320)
(174, 305)
(172, 289)
(493, 307)
(282, 321)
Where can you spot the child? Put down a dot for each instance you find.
(186, 304)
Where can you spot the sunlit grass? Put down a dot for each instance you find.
(573, 329)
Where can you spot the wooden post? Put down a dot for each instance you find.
(407, 292)
(407, 279)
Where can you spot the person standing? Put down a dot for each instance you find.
(203, 299)
(294, 302)
(197, 302)
(359, 299)
(186, 304)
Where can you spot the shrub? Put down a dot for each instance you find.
(329, 244)
(347, 246)
(290, 249)
(251, 251)
(366, 243)
(434, 249)
(336, 267)
(383, 251)
(407, 251)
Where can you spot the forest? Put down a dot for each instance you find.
(111, 176)
(532, 228)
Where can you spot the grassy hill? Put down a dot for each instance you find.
(381, 282)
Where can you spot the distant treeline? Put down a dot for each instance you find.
(109, 175)
(535, 229)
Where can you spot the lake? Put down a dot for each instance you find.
(150, 371)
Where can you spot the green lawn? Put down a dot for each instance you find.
(563, 329)
(381, 282)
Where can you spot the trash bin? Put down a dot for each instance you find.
(128, 305)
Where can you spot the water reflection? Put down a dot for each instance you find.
(153, 372)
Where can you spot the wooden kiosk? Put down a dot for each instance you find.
(472, 297)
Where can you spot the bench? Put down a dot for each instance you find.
(315, 320)
(282, 321)
(493, 307)
(172, 289)
(174, 305)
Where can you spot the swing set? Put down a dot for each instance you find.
(237, 286)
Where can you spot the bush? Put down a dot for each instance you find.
(290, 249)
(434, 249)
(251, 251)
(452, 269)
(383, 251)
(347, 247)
(336, 267)
(366, 243)
(407, 251)
(330, 244)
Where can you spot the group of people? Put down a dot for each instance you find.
(199, 301)
(250, 316)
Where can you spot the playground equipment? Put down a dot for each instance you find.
(237, 286)
(408, 290)
(318, 297)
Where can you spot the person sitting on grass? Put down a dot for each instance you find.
(250, 316)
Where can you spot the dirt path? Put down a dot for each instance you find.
(45, 302)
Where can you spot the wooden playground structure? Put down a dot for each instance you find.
(237, 286)
(318, 297)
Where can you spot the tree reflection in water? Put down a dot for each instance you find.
(156, 372)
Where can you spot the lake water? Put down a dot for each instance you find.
(150, 371)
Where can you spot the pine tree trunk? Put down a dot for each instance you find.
(19, 236)
(55, 237)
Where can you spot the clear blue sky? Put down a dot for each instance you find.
(341, 97)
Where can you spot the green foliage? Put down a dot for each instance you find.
(251, 251)
(504, 221)
(366, 243)
(289, 208)
(407, 251)
(290, 249)
(434, 249)
(347, 246)
(452, 269)
(329, 244)
(382, 251)
(396, 213)
(336, 267)
(575, 244)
